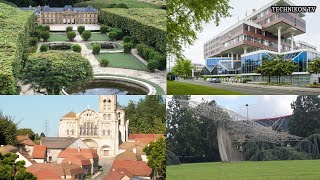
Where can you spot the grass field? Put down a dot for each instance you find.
(58, 37)
(99, 37)
(130, 3)
(123, 60)
(260, 170)
(179, 88)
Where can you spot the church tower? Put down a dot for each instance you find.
(109, 124)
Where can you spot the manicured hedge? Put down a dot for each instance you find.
(145, 25)
(15, 27)
(156, 60)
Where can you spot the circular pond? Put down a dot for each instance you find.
(108, 85)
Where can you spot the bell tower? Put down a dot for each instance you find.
(107, 104)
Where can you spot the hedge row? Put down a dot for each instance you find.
(15, 27)
(147, 26)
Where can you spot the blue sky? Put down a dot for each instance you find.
(260, 106)
(32, 111)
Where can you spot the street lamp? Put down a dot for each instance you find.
(247, 105)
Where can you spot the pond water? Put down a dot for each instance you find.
(108, 87)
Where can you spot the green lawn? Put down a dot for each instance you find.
(58, 37)
(123, 60)
(260, 170)
(179, 88)
(99, 37)
(104, 3)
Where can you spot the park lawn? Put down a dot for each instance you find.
(123, 60)
(130, 3)
(260, 170)
(58, 37)
(99, 37)
(179, 88)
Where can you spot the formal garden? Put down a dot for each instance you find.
(129, 43)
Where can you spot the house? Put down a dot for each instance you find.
(22, 155)
(54, 171)
(81, 161)
(39, 153)
(78, 155)
(56, 144)
(133, 168)
(120, 174)
(25, 143)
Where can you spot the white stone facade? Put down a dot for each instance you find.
(103, 130)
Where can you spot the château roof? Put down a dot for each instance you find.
(69, 7)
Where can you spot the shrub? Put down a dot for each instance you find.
(59, 46)
(36, 33)
(45, 35)
(107, 45)
(96, 48)
(121, 5)
(71, 35)
(127, 39)
(140, 24)
(152, 65)
(54, 70)
(112, 36)
(69, 28)
(103, 29)
(150, 54)
(46, 28)
(127, 47)
(33, 41)
(86, 35)
(119, 33)
(44, 47)
(111, 5)
(81, 29)
(104, 62)
(76, 48)
(161, 59)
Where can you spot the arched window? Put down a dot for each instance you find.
(109, 116)
(109, 132)
(72, 132)
(103, 132)
(104, 117)
(67, 131)
(118, 114)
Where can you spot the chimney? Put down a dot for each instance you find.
(134, 150)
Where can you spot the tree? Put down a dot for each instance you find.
(8, 129)
(45, 35)
(81, 29)
(148, 116)
(42, 135)
(183, 68)
(25, 131)
(71, 35)
(9, 169)
(86, 35)
(185, 19)
(277, 67)
(56, 70)
(305, 119)
(156, 154)
(314, 67)
(103, 29)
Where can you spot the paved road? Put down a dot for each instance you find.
(258, 89)
(106, 164)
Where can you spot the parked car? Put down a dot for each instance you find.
(215, 80)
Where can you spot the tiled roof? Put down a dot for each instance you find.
(45, 171)
(136, 168)
(117, 174)
(67, 7)
(25, 140)
(87, 153)
(70, 115)
(57, 142)
(130, 145)
(39, 151)
(8, 148)
(79, 160)
(145, 138)
(127, 155)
